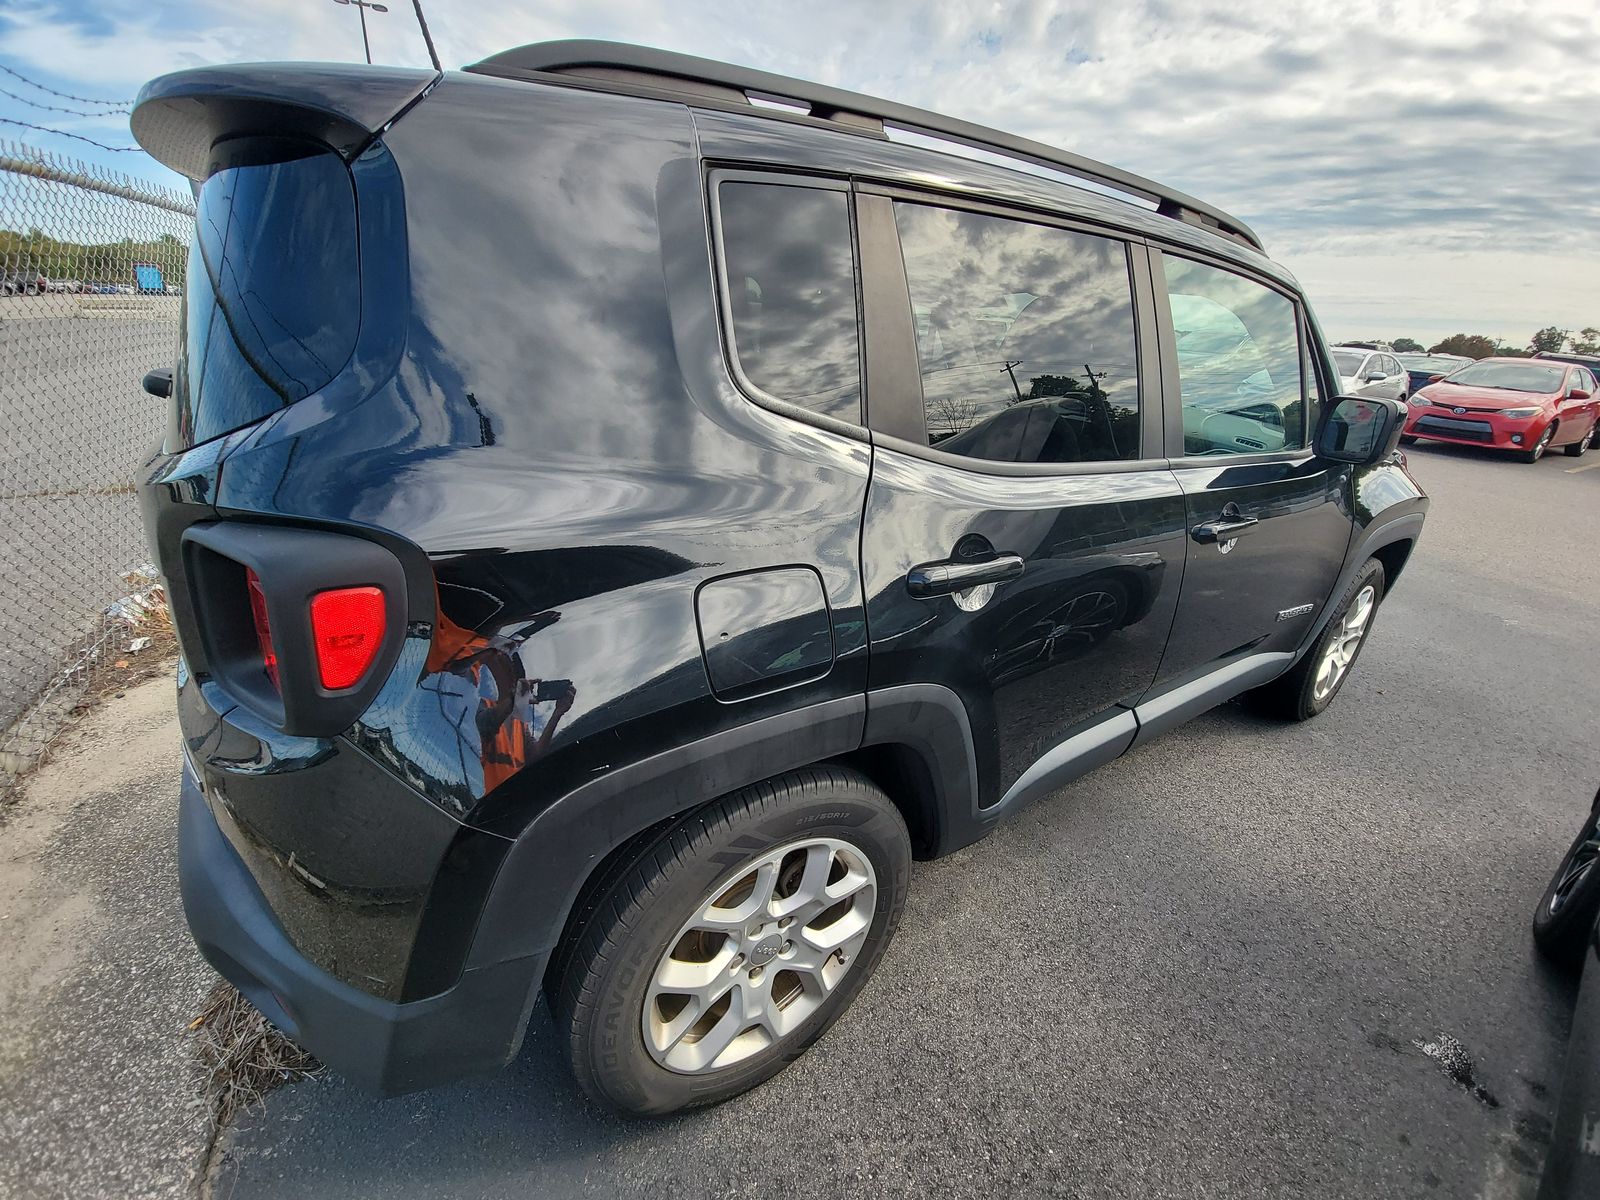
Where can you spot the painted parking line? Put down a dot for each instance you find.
(1585, 467)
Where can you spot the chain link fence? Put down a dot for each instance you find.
(91, 280)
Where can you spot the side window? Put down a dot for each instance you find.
(1025, 338)
(1585, 380)
(1391, 366)
(1239, 362)
(792, 293)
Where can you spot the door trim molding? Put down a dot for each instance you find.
(1079, 754)
(1176, 705)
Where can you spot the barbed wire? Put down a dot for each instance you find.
(76, 112)
(122, 104)
(76, 136)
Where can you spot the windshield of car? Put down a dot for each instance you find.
(1512, 377)
(1349, 361)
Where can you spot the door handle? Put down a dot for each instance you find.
(1224, 530)
(943, 578)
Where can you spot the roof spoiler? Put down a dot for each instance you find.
(180, 118)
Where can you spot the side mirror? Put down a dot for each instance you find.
(1435, 378)
(1361, 430)
(1578, 394)
(159, 382)
(1374, 377)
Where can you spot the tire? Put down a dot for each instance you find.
(1534, 454)
(821, 823)
(1300, 694)
(1571, 904)
(1408, 439)
(1580, 447)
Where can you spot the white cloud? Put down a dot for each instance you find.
(1415, 164)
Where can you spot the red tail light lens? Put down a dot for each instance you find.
(347, 627)
(258, 611)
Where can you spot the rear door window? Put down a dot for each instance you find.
(791, 290)
(273, 303)
(1239, 362)
(1025, 337)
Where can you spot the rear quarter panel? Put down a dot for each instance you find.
(561, 438)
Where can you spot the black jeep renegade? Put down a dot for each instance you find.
(612, 526)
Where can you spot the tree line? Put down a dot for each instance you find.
(34, 251)
(1549, 340)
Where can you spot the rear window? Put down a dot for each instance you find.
(792, 293)
(274, 291)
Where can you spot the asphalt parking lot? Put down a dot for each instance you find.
(1208, 969)
(1204, 970)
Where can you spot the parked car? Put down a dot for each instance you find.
(1420, 369)
(1364, 372)
(1591, 361)
(1523, 405)
(631, 658)
(1566, 932)
(24, 283)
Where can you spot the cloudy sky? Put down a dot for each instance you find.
(1424, 166)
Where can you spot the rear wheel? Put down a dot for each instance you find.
(1534, 454)
(1579, 447)
(1569, 906)
(1311, 684)
(733, 942)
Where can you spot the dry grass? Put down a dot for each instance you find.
(120, 666)
(244, 1056)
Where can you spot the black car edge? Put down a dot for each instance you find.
(612, 527)
(1566, 929)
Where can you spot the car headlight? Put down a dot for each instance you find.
(1519, 412)
(1420, 401)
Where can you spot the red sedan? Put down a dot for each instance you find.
(1516, 404)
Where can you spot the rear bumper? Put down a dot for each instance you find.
(474, 1028)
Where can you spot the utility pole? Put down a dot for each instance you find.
(361, 7)
(1010, 369)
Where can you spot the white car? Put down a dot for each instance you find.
(1364, 372)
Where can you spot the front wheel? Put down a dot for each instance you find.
(1569, 906)
(1310, 685)
(732, 942)
(1578, 448)
(1539, 447)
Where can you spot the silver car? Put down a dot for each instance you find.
(1364, 372)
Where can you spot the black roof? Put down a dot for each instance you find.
(626, 68)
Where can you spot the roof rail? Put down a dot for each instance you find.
(700, 79)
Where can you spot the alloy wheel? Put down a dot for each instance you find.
(760, 955)
(1346, 640)
(1543, 443)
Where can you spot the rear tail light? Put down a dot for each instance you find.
(299, 626)
(258, 612)
(347, 629)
